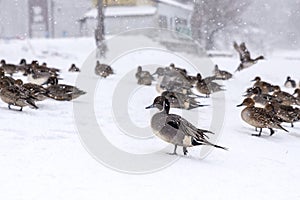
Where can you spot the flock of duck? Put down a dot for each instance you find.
(267, 106)
(18, 94)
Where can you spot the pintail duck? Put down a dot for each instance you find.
(103, 70)
(183, 101)
(289, 83)
(180, 70)
(176, 130)
(8, 68)
(286, 98)
(287, 114)
(15, 95)
(221, 74)
(24, 67)
(245, 58)
(73, 68)
(62, 92)
(5, 80)
(259, 117)
(144, 77)
(36, 91)
(207, 87)
(260, 98)
(264, 86)
(173, 81)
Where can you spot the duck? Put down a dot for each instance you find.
(182, 101)
(260, 98)
(63, 92)
(23, 67)
(289, 83)
(297, 93)
(207, 87)
(180, 70)
(245, 58)
(172, 80)
(73, 68)
(8, 68)
(286, 113)
(264, 86)
(144, 77)
(36, 91)
(5, 80)
(103, 70)
(259, 117)
(221, 74)
(14, 95)
(175, 129)
(286, 98)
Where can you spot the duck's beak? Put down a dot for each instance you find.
(151, 106)
(240, 105)
(253, 80)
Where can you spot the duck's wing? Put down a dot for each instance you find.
(186, 127)
(245, 54)
(238, 49)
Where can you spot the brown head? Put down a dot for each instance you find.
(257, 79)
(276, 88)
(18, 82)
(297, 91)
(269, 108)
(247, 102)
(2, 62)
(172, 65)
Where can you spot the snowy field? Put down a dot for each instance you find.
(43, 157)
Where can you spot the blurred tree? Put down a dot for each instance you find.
(212, 17)
(99, 32)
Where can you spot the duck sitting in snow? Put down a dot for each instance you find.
(206, 86)
(73, 68)
(8, 68)
(221, 74)
(143, 77)
(103, 70)
(289, 83)
(176, 130)
(245, 58)
(62, 92)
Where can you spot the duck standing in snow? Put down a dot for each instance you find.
(289, 83)
(15, 95)
(245, 58)
(259, 117)
(176, 130)
(264, 86)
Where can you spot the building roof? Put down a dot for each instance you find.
(114, 11)
(183, 5)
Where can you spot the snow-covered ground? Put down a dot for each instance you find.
(43, 157)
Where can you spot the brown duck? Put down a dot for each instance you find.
(259, 117)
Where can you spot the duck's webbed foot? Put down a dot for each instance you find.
(174, 152)
(185, 151)
(259, 134)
